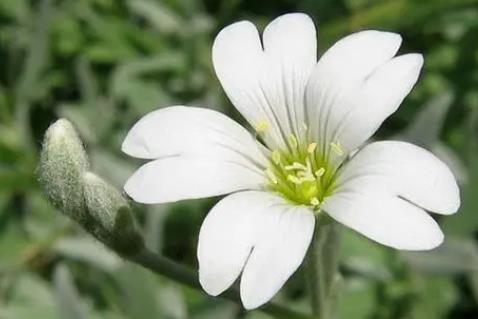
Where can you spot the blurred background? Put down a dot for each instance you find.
(103, 64)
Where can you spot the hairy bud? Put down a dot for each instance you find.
(63, 161)
(81, 195)
(114, 222)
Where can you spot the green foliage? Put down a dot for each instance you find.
(102, 64)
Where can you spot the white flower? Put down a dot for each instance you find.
(309, 118)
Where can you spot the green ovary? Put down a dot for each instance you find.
(300, 174)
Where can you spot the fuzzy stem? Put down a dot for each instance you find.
(323, 267)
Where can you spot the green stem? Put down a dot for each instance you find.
(323, 267)
(179, 273)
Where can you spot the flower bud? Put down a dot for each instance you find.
(81, 195)
(63, 161)
(113, 220)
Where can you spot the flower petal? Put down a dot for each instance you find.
(227, 236)
(259, 230)
(268, 86)
(356, 85)
(386, 219)
(290, 45)
(285, 235)
(183, 177)
(379, 97)
(405, 170)
(180, 130)
(238, 61)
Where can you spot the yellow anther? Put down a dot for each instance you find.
(271, 176)
(294, 166)
(293, 141)
(262, 126)
(311, 148)
(294, 179)
(276, 157)
(337, 148)
(307, 178)
(314, 201)
(306, 175)
(302, 174)
(320, 172)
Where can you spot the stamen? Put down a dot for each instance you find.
(309, 165)
(314, 201)
(295, 166)
(307, 178)
(311, 148)
(294, 179)
(337, 148)
(262, 126)
(293, 141)
(299, 172)
(320, 172)
(271, 176)
(306, 175)
(276, 157)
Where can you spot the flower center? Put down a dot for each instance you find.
(301, 173)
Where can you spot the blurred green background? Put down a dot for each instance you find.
(103, 64)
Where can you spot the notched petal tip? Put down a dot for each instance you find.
(382, 39)
(250, 304)
(292, 35)
(454, 199)
(411, 61)
(434, 240)
(385, 35)
(136, 142)
(418, 58)
(437, 241)
(233, 41)
(135, 188)
(210, 285)
(293, 17)
(455, 207)
(131, 189)
(134, 146)
(234, 30)
(251, 301)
